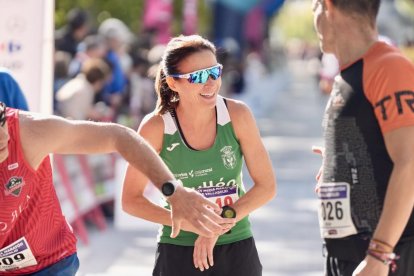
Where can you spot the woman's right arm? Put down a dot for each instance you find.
(133, 200)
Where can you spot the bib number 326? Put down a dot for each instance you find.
(335, 210)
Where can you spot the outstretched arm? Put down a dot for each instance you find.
(42, 135)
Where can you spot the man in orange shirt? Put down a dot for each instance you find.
(366, 189)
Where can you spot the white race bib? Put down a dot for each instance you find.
(16, 255)
(335, 210)
(222, 196)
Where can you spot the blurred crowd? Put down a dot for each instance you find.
(107, 73)
(103, 74)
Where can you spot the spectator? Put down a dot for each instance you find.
(10, 92)
(142, 93)
(68, 37)
(118, 37)
(93, 46)
(76, 98)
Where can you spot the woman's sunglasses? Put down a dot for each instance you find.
(2, 114)
(201, 76)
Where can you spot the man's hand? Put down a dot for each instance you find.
(369, 266)
(202, 214)
(318, 150)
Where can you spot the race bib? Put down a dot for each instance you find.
(16, 255)
(222, 196)
(335, 210)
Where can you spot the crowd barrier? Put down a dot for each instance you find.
(83, 184)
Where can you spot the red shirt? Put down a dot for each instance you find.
(29, 210)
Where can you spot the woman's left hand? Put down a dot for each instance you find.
(203, 252)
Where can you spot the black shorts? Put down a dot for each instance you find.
(405, 265)
(238, 258)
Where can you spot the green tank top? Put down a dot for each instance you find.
(215, 172)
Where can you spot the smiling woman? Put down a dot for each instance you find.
(192, 58)
(203, 138)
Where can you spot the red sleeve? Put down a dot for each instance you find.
(389, 86)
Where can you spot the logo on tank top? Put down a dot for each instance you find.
(14, 186)
(229, 157)
(173, 146)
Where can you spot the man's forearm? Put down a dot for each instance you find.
(142, 156)
(398, 205)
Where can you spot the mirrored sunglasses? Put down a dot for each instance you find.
(201, 76)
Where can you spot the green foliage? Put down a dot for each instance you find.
(406, 6)
(295, 21)
(177, 16)
(129, 11)
(205, 18)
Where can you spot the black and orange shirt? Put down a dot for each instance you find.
(370, 97)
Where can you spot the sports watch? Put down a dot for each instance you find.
(228, 212)
(168, 188)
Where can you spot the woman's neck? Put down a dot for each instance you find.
(195, 118)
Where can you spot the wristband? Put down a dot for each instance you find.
(385, 258)
(380, 246)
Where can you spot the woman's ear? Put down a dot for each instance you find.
(171, 83)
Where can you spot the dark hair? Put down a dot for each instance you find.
(176, 50)
(95, 69)
(365, 8)
(76, 18)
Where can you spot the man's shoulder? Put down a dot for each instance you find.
(388, 62)
(387, 57)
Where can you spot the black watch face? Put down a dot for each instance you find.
(228, 212)
(167, 189)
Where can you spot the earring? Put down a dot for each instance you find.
(175, 98)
